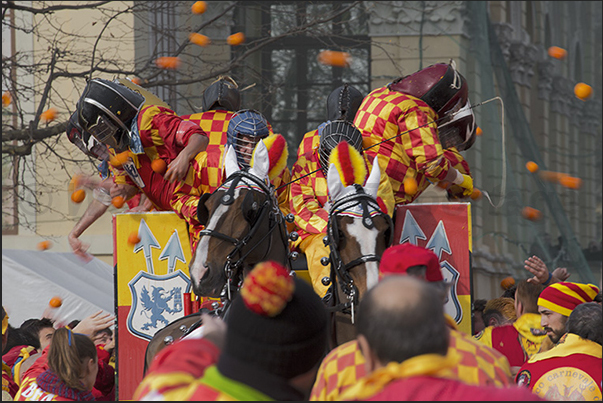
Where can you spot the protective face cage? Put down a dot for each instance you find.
(106, 110)
(84, 141)
(446, 91)
(223, 93)
(332, 134)
(245, 129)
(343, 103)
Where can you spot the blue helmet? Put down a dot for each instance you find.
(245, 129)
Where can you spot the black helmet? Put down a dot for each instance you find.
(106, 110)
(332, 134)
(343, 103)
(222, 93)
(84, 141)
(446, 91)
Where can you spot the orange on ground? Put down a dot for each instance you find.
(410, 186)
(199, 39)
(531, 213)
(133, 239)
(478, 131)
(334, 58)
(78, 196)
(557, 52)
(532, 166)
(48, 115)
(118, 201)
(55, 302)
(583, 91)
(476, 194)
(236, 39)
(118, 160)
(167, 62)
(6, 99)
(570, 182)
(199, 7)
(43, 245)
(158, 165)
(507, 283)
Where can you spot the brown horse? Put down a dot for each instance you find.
(358, 232)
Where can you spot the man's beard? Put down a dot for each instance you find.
(556, 336)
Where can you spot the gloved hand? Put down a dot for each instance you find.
(464, 181)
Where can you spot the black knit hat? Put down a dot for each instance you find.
(278, 324)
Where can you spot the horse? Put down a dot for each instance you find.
(358, 232)
(243, 226)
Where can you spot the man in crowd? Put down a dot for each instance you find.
(276, 334)
(406, 355)
(572, 369)
(521, 339)
(479, 365)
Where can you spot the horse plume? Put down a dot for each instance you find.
(277, 154)
(349, 164)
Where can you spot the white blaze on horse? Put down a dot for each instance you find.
(358, 233)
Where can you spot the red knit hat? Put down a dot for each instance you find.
(398, 258)
(564, 297)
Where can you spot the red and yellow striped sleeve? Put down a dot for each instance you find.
(308, 196)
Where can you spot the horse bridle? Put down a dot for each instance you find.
(268, 207)
(338, 269)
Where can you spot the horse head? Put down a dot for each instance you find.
(243, 224)
(358, 233)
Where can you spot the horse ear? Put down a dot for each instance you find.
(261, 161)
(372, 183)
(334, 183)
(230, 161)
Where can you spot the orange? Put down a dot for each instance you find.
(118, 201)
(78, 196)
(442, 184)
(199, 39)
(6, 99)
(532, 166)
(168, 63)
(44, 245)
(531, 214)
(334, 58)
(55, 302)
(158, 165)
(133, 239)
(507, 283)
(557, 52)
(478, 131)
(74, 183)
(118, 160)
(570, 182)
(476, 194)
(410, 186)
(199, 7)
(48, 115)
(236, 39)
(136, 80)
(583, 91)
(551, 176)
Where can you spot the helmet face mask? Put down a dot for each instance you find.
(331, 135)
(458, 129)
(106, 110)
(84, 141)
(245, 129)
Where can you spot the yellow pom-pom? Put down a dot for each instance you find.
(267, 289)
(349, 163)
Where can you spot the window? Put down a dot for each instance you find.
(291, 86)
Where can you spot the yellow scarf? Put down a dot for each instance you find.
(423, 365)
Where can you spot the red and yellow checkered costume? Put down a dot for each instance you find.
(308, 197)
(309, 143)
(401, 129)
(214, 123)
(479, 365)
